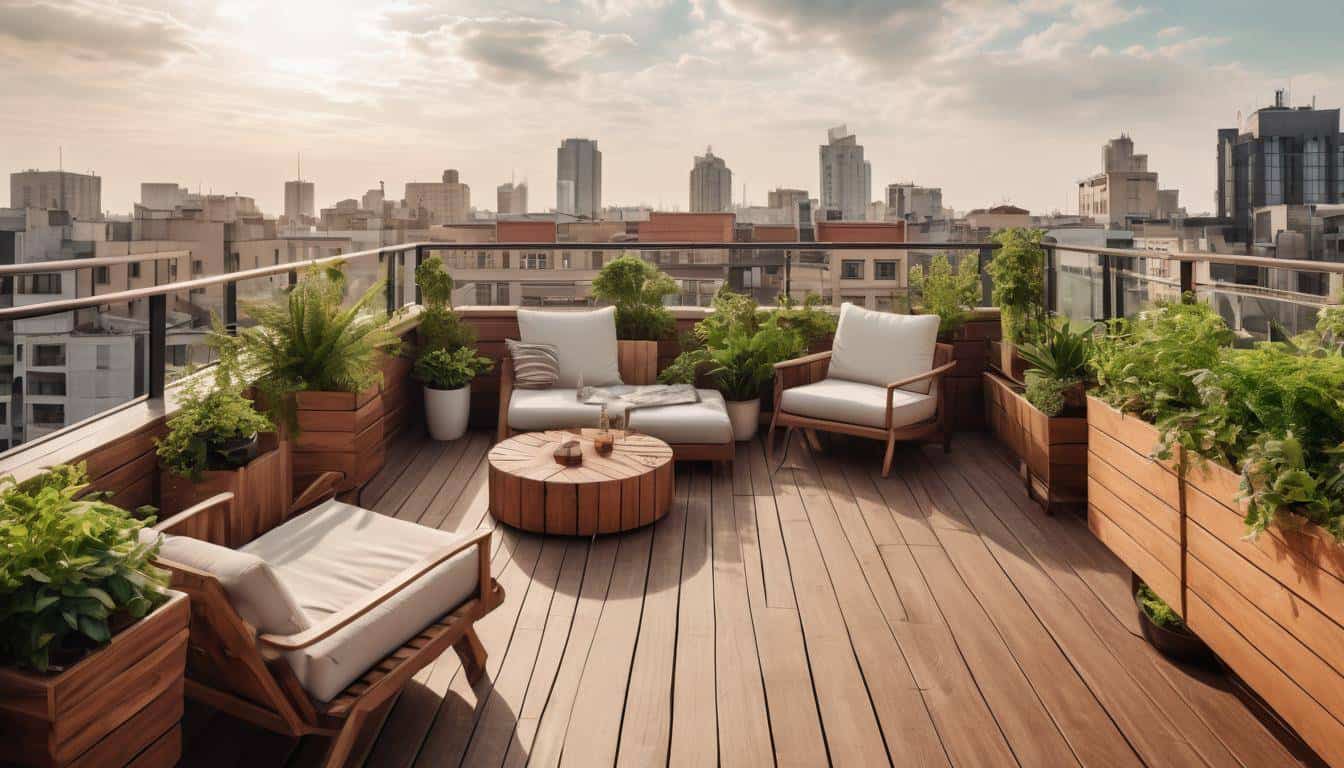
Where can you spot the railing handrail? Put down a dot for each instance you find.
(1230, 259)
(639, 245)
(64, 265)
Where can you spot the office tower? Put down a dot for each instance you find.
(1125, 191)
(511, 197)
(846, 178)
(299, 200)
(578, 178)
(446, 202)
(1281, 156)
(711, 184)
(81, 194)
(911, 202)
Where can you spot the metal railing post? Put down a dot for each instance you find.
(986, 285)
(231, 307)
(1106, 278)
(1187, 278)
(1051, 280)
(391, 282)
(419, 259)
(158, 344)
(788, 274)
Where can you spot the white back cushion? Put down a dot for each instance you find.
(254, 590)
(880, 347)
(585, 343)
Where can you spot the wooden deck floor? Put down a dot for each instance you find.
(818, 614)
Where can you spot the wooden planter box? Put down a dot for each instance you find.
(340, 432)
(963, 386)
(1052, 451)
(1134, 501)
(262, 491)
(118, 706)
(1272, 609)
(1003, 357)
(402, 401)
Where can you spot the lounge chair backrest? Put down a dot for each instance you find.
(585, 343)
(881, 347)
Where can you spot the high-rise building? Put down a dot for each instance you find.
(711, 184)
(910, 202)
(373, 201)
(1281, 156)
(81, 194)
(578, 178)
(846, 178)
(1125, 191)
(445, 202)
(299, 202)
(511, 197)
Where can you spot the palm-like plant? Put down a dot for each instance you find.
(307, 341)
(1060, 352)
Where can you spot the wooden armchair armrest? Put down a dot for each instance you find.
(480, 540)
(207, 520)
(320, 488)
(933, 375)
(804, 360)
(505, 394)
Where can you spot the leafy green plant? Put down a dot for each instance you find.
(811, 318)
(1156, 608)
(636, 288)
(742, 365)
(1047, 393)
(1018, 273)
(440, 326)
(73, 569)
(442, 369)
(207, 417)
(307, 341)
(949, 294)
(1060, 352)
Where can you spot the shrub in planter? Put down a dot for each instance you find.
(810, 319)
(447, 378)
(949, 294)
(440, 327)
(73, 573)
(317, 365)
(636, 288)
(215, 428)
(1058, 367)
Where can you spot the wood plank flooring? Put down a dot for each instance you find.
(816, 615)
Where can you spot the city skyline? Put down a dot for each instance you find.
(997, 102)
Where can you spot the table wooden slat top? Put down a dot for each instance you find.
(626, 489)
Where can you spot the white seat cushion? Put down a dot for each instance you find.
(703, 422)
(880, 347)
(854, 403)
(585, 342)
(536, 409)
(253, 587)
(334, 556)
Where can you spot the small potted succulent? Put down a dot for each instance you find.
(447, 378)
(86, 622)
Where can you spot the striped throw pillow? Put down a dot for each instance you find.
(535, 366)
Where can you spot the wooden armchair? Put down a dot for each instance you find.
(809, 396)
(251, 674)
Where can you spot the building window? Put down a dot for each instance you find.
(1315, 170)
(104, 353)
(502, 293)
(1339, 171)
(481, 257)
(172, 270)
(884, 270)
(1273, 172)
(483, 298)
(101, 276)
(133, 269)
(597, 255)
(48, 354)
(504, 260)
(48, 414)
(855, 300)
(851, 269)
(532, 261)
(46, 383)
(564, 260)
(177, 355)
(197, 267)
(4, 413)
(44, 284)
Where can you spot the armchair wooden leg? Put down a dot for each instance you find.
(812, 440)
(788, 436)
(770, 439)
(343, 745)
(891, 448)
(472, 653)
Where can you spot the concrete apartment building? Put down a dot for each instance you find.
(80, 194)
(1281, 156)
(1125, 190)
(578, 178)
(868, 278)
(162, 196)
(444, 202)
(711, 184)
(511, 198)
(846, 178)
(372, 200)
(300, 201)
(909, 202)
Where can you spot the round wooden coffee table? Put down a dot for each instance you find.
(626, 489)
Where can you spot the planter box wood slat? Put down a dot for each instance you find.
(341, 432)
(109, 706)
(261, 491)
(1052, 451)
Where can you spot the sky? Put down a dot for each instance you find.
(993, 100)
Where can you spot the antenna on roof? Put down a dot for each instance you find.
(60, 157)
(299, 158)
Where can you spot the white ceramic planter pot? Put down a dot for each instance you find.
(745, 416)
(446, 412)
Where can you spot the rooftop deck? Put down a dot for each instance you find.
(817, 613)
